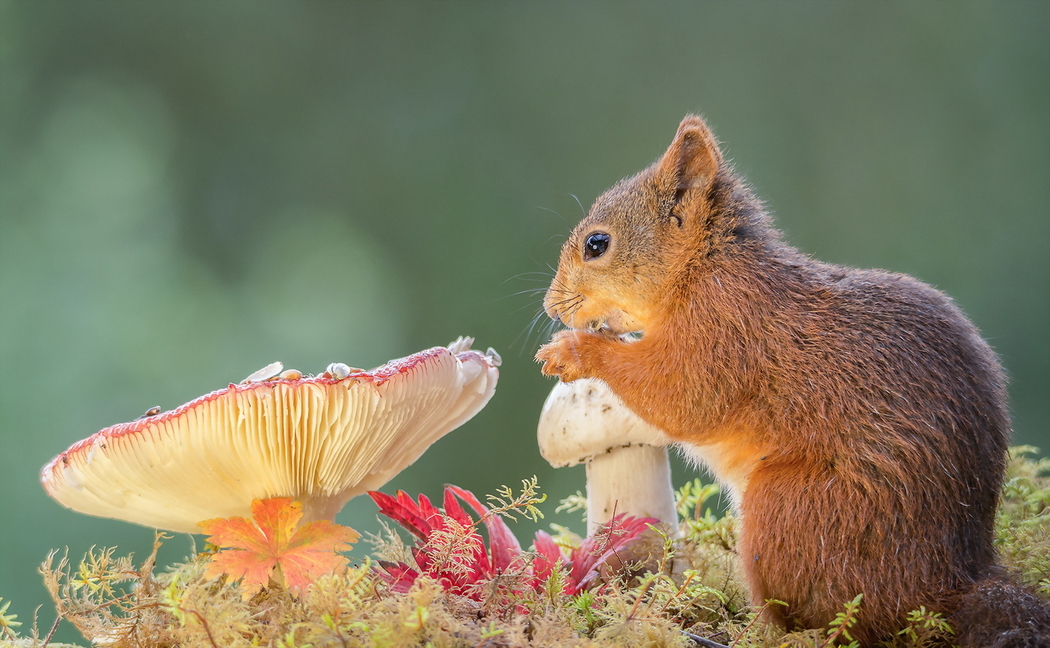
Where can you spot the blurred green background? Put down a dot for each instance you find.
(189, 191)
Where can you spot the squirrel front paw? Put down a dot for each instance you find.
(565, 354)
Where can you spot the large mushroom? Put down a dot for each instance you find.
(627, 465)
(319, 440)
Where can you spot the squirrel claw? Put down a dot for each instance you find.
(545, 356)
(561, 357)
(556, 370)
(551, 369)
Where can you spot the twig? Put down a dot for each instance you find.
(54, 626)
(641, 595)
(204, 624)
(681, 589)
(744, 632)
(106, 604)
(706, 643)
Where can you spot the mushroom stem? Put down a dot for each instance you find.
(636, 480)
(322, 508)
(627, 466)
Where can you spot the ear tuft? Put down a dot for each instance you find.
(693, 158)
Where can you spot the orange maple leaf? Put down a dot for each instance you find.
(271, 546)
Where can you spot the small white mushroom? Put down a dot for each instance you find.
(319, 440)
(627, 465)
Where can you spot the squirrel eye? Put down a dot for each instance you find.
(595, 245)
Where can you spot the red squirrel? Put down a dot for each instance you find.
(857, 417)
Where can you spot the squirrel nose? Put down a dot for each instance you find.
(550, 306)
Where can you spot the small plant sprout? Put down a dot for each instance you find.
(7, 621)
(507, 504)
(925, 627)
(628, 471)
(319, 440)
(838, 628)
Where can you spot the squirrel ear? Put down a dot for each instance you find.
(693, 158)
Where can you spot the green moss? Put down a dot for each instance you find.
(673, 589)
(1023, 521)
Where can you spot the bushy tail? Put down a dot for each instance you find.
(1000, 613)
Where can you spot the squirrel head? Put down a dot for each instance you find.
(619, 258)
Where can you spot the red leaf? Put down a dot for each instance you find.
(454, 510)
(419, 519)
(548, 554)
(272, 547)
(587, 559)
(504, 552)
(398, 575)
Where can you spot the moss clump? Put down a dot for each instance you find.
(676, 592)
(1023, 522)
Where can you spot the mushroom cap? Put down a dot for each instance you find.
(319, 440)
(584, 418)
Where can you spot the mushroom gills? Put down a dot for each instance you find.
(318, 440)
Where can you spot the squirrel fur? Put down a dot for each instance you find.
(857, 417)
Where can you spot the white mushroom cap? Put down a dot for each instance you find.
(584, 418)
(319, 440)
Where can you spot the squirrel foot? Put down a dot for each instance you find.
(569, 354)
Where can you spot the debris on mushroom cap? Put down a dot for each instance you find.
(584, 418)
(271, 370)
(338, 370)
(460, 344)
(319, 440)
